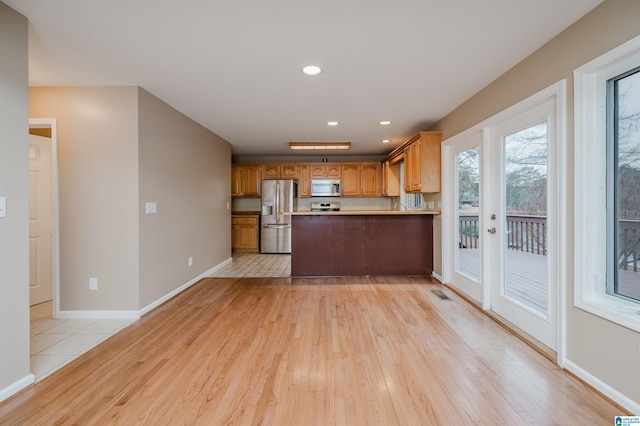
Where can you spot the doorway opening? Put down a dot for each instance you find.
(44, 255)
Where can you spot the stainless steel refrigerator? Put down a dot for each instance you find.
(277, 196)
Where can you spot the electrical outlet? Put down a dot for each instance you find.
(93, 283)
(190, 261)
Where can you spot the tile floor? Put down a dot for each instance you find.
(57, 342)
(256, 265)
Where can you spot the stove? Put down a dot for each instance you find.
(325, 207)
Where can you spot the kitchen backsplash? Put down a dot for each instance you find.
(346, 203)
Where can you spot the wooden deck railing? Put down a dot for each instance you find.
(629, 244)
(524, 232)
(529, 234)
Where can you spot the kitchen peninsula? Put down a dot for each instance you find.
(355, 242)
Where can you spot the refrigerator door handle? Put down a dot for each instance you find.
(277, 202)
(276, 226)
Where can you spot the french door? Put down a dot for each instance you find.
(501, 208)
(521, 232)
(467, 249)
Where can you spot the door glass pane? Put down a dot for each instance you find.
(525, 221)
(468, 190)
(627, 184)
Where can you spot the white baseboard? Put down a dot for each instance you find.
(437, 277)
(605, 389)
(16, 387)
(98, 315)
(218, 266)
(182, 288)
(137, 314)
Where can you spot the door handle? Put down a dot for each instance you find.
(492, 230)
(276, 226)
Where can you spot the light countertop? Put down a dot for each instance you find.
(364, 213)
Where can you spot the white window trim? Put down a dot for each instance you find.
(590, 186)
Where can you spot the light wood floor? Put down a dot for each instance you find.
(276, 351)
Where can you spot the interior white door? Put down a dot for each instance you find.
(523, 244)
(40, 220)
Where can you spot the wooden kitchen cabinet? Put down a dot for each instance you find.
(390, 179)
(304, 183)
(422, 162)
(270, 171)
(326, 171)
(357, 179)
(361, 180)
(370, 177)
(246, 181)
(412, 166)
(280, 171)
(245, 233)
(351, 186)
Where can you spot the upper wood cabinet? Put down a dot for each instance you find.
(326, 171)
(370, 177)
(422, 162)
(391, 179)
(246, 181)
(304, 183)
(361, 180)
(350, 185)
(412, 168)
(358, 179)
(280, 171)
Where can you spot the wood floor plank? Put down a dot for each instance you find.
(331, 351)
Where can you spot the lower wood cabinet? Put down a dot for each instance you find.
(337, 245)
(245, 233)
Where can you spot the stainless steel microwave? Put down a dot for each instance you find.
(325, 187)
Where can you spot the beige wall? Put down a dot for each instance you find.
(118, 148)
(98, 186)
(603, 349)
(186, 170)
(14, 185)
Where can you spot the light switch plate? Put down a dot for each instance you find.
(3, 206)
(151, 207)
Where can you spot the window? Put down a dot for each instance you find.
(607, 178)
(623, 185)
(408, 201)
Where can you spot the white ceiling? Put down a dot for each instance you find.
(234, 66)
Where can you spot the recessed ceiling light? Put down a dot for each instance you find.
(385, 123)
(332, 123)
(311, 70)
(386, 140)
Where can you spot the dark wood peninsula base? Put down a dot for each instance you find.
(361, 244)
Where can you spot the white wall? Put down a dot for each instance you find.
(14, 185)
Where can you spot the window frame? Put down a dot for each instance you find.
(591, 226)
(613, 161)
